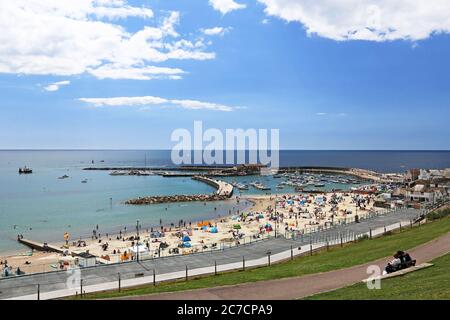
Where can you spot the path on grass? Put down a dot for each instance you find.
(299, 287)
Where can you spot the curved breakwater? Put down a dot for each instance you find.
(224, 191)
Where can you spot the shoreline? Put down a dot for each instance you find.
(257, 213)
(114, 230)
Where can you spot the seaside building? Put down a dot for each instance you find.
(447, 173)
(85, 260)
(425, 193)
(412, 175)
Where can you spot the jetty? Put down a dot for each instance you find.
(39, 246)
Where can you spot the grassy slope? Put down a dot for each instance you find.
(337, 258)
(428, 284)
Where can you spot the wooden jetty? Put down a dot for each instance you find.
(39, 246)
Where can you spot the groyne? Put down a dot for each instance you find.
(39, 246)
(224, 191)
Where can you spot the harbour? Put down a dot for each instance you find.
(42, 206)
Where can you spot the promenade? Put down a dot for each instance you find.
(106, 277)
(301, 287)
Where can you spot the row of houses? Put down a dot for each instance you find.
(427, 186)
(419, 187)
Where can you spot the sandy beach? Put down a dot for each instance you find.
(294, 212)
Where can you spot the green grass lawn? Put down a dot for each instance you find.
(336, 258)
(428, 284)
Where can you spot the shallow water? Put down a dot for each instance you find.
(43, 207)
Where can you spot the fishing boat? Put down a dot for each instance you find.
(25, 170)
(63, 177)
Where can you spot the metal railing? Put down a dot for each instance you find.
(221, 246)
(44, 284)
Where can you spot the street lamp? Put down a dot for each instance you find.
(276, 218)
(137, 240)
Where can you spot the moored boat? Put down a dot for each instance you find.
(25, 170)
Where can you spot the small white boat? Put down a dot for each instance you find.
(319, 185)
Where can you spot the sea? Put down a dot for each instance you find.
(42, 207)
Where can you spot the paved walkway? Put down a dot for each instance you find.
(56, 284)
(294, 288)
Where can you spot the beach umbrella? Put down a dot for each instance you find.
(186, 238)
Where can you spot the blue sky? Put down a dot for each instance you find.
(325, 82)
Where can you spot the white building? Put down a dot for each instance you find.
(423, 193)
(424, 175)
(447, 173)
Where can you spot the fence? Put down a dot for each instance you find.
(138, 273)
(303, 234)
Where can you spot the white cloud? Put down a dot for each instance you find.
(220, 31)
(66, 37)
(225, 6)
(196, 105)
(113, 71)
(322, 114)
(374, 20)
(146, 101)
(55, 86)
(124, 101)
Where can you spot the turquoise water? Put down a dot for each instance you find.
(271, 182)
(42, 207)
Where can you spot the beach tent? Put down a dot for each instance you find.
(140, 248)
(213, 230)
(186, 245)
(186, 238)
